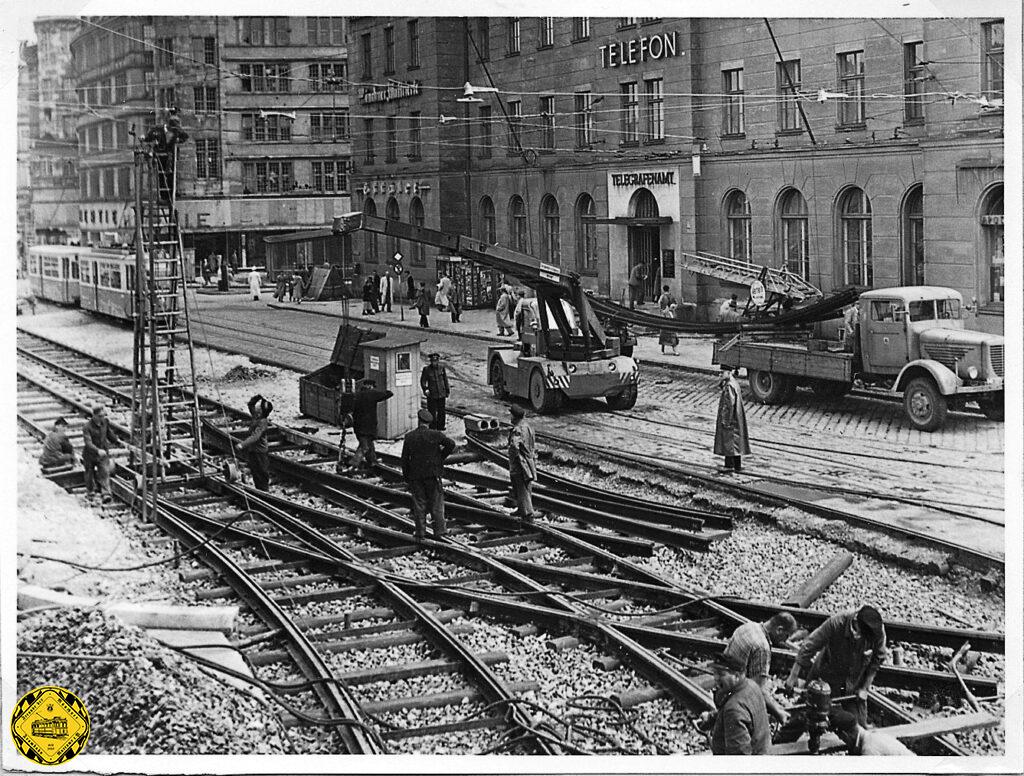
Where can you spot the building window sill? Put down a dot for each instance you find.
(412, 67)
(917, 121)
(580, 40)
(788, 132)
(734, 136)
(512, 54)
(851, 127)
(655, 141)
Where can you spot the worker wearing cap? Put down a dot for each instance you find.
(434, 383)
(364, 421)
(522, 463)
(847, 650)
(423, 454)
(741, 726)
(255, 444)
(98, 438)
(861, 741)
(57, 449)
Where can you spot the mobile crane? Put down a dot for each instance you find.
(569, 356)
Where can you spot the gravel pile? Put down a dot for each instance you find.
(158, 702)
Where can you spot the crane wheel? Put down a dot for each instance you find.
(542, 398)
(624, 399)
(496, 377)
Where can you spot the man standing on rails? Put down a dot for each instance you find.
(731, 429)
(256, 443)
(751, 644)
(846, 650)
(98, 438)
(522, 463)
(423, 454)
(434, 384)
(364, 422)
(741, 726)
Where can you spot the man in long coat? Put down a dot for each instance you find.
(422, 305)
(522, 463)
(637, 278)
(435, 386)
(423, 454)
(731, 429)
(503, 312)
(387, 291)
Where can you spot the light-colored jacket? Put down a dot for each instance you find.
(522, 451)
(387, 289)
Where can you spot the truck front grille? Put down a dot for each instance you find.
(946, 353)
(995, 355)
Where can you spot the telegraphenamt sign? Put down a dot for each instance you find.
(393, 91)
(644, 178)
(647, 48)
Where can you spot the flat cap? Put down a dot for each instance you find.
(729, 662)
(425, 416)
(517, 411)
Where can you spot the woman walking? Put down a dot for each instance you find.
(369, 293)
(731, 429)
(667, 336)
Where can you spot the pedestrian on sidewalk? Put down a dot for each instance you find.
(423, 454)
(369, 292)
(503, 312)
(443, 295)
(364, 423)
(422, 304)
(410, 288)
(434, 384)
(98, 438)
(637, 277)
(522, 463)
(387, 293)
(256, 443)
(741, 726)
(207, 270)
(731, 430)
(254, 284)
(281, 287)
(668, 336)
(58, 452)
(298, 287)
(665, 300)
(376, 292)
(454, 305)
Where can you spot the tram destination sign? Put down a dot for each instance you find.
(647, 48)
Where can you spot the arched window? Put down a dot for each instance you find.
(912, 232)
(549, 215)
(793, 231)
(392, 213)
(586, 234)
(416, 217)
(737, 214)
(488, 222)
(993, 244)
(370, 248)
(855, 237)
(517, 224)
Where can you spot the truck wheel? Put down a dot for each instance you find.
(496, 378)
(624, 399)
(542, 398)
(769, 387)
(923, 405)
(830, 389)
(993, 407)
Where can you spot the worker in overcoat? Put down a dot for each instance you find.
(731, 430)
(522, 463)
(423, 454)
(435, 386)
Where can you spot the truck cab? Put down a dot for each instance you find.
(912, 340)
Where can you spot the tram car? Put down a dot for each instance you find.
(53, 272)
(50, 728)
(107, 282)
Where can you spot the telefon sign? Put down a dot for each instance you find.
(647, 48)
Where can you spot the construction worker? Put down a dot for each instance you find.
(364, 422)
(58, 452)
(435, 386)
(522, 463)
(98, 438)
(741, 725)
(862, 741)
(256, 443)
(752, 644)
(423, 454)
(164, 139)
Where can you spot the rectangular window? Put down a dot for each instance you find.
(328, 127)
(328, 76)
(165, 52)
(266, 129)
(390, 140)
(584, 119)
(515, 122)
(547, 117)
(787, 84)
(389, 50)
(732, 86)
(94, 138)
(265, 77)
(325, 30)
(992, 58)
(580, 28)
(851, 83)
(630, 124)
(913, 82)
(206, 99)
(626, 21)
(330, 175)
(204, 50)
(368, 136)
(547, 32)
(654, 109)
(108, 135)
(263, 31)
(124, 182)
(415, 150)
(267, 177)
(414, 43)
(367, 55)
(486, 140)
(483, 38)
(120, 88)
(165, 97)
(207, 158)
(512, 43)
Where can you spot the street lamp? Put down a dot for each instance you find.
(469, 92)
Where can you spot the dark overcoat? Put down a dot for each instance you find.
(731, 428)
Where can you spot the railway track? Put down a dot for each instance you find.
(325, 541)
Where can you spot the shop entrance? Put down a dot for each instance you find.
(644, 242)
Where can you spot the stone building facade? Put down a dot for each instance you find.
(851, 151)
